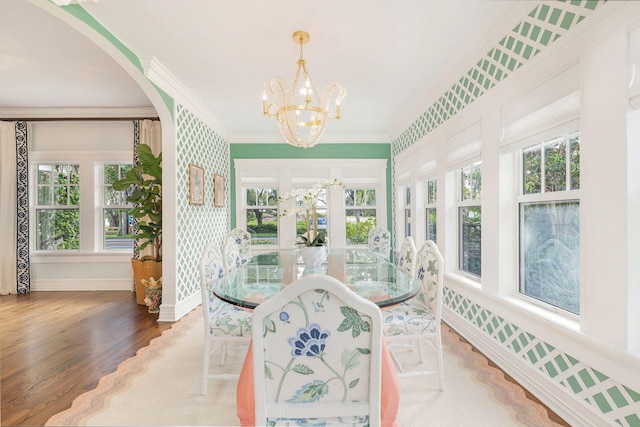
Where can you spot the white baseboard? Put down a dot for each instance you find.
(558, 400)
(174, 312)
(82, 285)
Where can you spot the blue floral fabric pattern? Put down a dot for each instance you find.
(407, 256)
(379, 241)
(243, 240)
(314, 355)
(224, 318)
(417, 315)
(232, 256)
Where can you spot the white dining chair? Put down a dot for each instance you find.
(243, 240)
(223, 323)
(379, 241)
(231, 254)
(418, 320)
(406, 256)
(317, 356)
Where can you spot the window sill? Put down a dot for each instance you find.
(79, 257)
(464, 280)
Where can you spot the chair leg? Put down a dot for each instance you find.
(440, 362)
(223, 353)
(205, 366)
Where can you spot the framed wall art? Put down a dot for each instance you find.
(196, 185)
(218, 190)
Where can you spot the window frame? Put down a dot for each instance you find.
(430, 206)
(543, 197)
(246, 207)
(461, 204)
(101, 206)
(376, 207)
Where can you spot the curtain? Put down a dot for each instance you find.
(8, 212)
(14, 208)
(145, 132)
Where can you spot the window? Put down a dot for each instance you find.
(469, 220)
(360, 214)
(118, 225)
(430, 209)
(407, 211)
(262, 215)
(549, 209)
(57, 207)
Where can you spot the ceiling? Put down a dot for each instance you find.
(393, 57)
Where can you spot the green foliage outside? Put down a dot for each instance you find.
(145, 183)
(58, 185)
(358, 232)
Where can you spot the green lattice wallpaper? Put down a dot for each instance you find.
(198, 225)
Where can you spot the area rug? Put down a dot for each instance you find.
(161, 386)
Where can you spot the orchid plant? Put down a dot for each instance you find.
(307, 205)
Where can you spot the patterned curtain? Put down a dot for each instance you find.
(22, 170)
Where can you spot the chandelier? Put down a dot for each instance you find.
(300, 111)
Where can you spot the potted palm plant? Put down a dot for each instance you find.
(145, 182)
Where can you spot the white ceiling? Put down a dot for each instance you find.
(393, 57)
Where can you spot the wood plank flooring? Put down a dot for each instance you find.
(54, 346)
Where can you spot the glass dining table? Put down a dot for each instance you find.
(369, 275)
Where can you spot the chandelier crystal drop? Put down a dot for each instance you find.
(300, 110)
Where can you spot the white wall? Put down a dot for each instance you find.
(87, 143)
(603, 343)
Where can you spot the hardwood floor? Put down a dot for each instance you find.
(54, 346)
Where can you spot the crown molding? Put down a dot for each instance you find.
(274, 138)
(157, 73)
(78, 112)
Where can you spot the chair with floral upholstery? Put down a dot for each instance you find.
(418, 320)
(231, 254)
(317, 349)
(406, 256)
(243, 240)
(223, 323)
(379, 241)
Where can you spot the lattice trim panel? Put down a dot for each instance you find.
(198, 225)
(546, 23)
(616, 402)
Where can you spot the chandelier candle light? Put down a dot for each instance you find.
(299, 110)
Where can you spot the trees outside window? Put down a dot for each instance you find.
(57, 208)
(118, 225)
(262, 215)
(549, 208)
(360, 214)
(431, 216)
(470, 220)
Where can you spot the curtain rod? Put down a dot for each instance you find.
(75, 119)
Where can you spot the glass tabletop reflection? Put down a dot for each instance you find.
(369, 275)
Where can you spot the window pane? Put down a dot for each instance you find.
(431, 224)
(471, 183)
(45, 174)
(550, 252)
(60, 197)
(262, 224)
(301, 222)
(360, 200)
(61, 174)
(349, 197)
(266, 196)
(118, 229)
(555, 164)
(574, 141)
(470, 240)
(371, 197)
(532, 169)
(407, 195)
(431, 191)
(358, 224)
(252, 199)
(58, 229)
(407, 222)
(44, 195)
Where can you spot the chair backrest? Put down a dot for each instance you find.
(379, 240)
(231, 254)
(430, 271)
(243, 240)
(317, 349)
(407, 256)
(211, 269)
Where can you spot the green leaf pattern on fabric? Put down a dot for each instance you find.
(305, 337)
